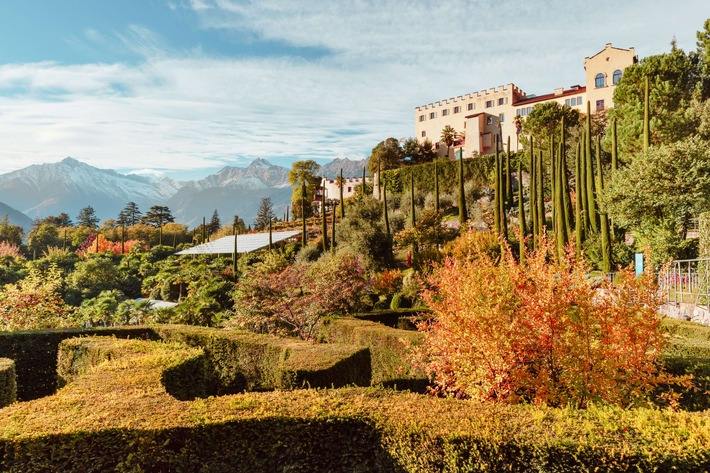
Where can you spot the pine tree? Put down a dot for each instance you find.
(521, 213)
(130, 215)
(265, 214)
(215, 223)
(87, 217)
(646, 116)
(157, 216)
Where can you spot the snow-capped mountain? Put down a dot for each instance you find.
(70, 185)
(350, 168)
(233, 191)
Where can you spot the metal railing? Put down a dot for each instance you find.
(687, 281)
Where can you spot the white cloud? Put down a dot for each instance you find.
(186, 111)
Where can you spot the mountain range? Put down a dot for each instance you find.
(41, 190)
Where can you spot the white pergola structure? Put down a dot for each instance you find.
(245, 243)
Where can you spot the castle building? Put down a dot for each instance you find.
(481, 116)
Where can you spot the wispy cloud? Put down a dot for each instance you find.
(184, 111)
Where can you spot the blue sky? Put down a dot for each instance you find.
(184, 87)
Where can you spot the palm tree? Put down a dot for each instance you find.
(448, 137)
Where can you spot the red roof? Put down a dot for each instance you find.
(546, 97)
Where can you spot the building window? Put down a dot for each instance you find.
(579, 100)
(600, 105)
(567, 102)
(350, 189)
(501, 101)
(445, 112)
(422, 118)
(617, 76)
(489, 103)
(600, 80)
(501, 117)
(424, 134)
(432, 115)
(529, 111)
(489, 121)
(457, 109)
(471, 106)
(436, 146)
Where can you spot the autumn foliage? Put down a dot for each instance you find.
(35, 303)
(275, 297)
(543, 332)
(90, 246)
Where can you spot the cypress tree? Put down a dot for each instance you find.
(496, 193)
(304, 233)
(386, 216)
(534, 226)
(204, 229)
(463, 214)
(411, 198)
(508, 178)
(553, 183)
(578, 222)
(604, 220)
(436, 186)
(235, 254)
(324, 229)
(521, 213)
(379, 180)
(589, 174)
(286, 219)
(97, 243)
(614, 147)
(540, 174)
(566, 198)
(363, 184)
(562, 225)
(342, 204)
(646, 116)
(123, 239)
(271, 241)
(332, 234)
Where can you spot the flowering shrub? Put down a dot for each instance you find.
(10, 251)
(542, 332)
(387, 282)
(292, 299)
(34, 302)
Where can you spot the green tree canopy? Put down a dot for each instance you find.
(544, 122)
(10, 233)
(674, 80)
(304, 171)
(416, 152)
(130, 215)
(215, 223)
(388, 153)
(61, 220)
(42, 237)
(87, 217)
(157, 216)
(660, 190)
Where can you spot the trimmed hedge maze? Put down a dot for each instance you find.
(137, 405)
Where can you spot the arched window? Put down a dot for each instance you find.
(599, 80)
(617, 76)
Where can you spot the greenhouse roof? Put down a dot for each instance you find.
(245, 243)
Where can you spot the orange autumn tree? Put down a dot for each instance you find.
(543, 332)
(89, 246)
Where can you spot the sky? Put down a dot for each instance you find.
(182, 88)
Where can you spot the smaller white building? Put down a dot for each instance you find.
(329, 191)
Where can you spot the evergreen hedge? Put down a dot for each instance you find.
(8, 382)
(35, 355)
(390, 350)
(478, 169)
(241, 360)
(119, 417)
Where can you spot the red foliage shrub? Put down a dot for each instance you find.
(543, 332)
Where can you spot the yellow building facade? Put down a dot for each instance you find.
(481, 116)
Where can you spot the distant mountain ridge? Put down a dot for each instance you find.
(41, 190)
